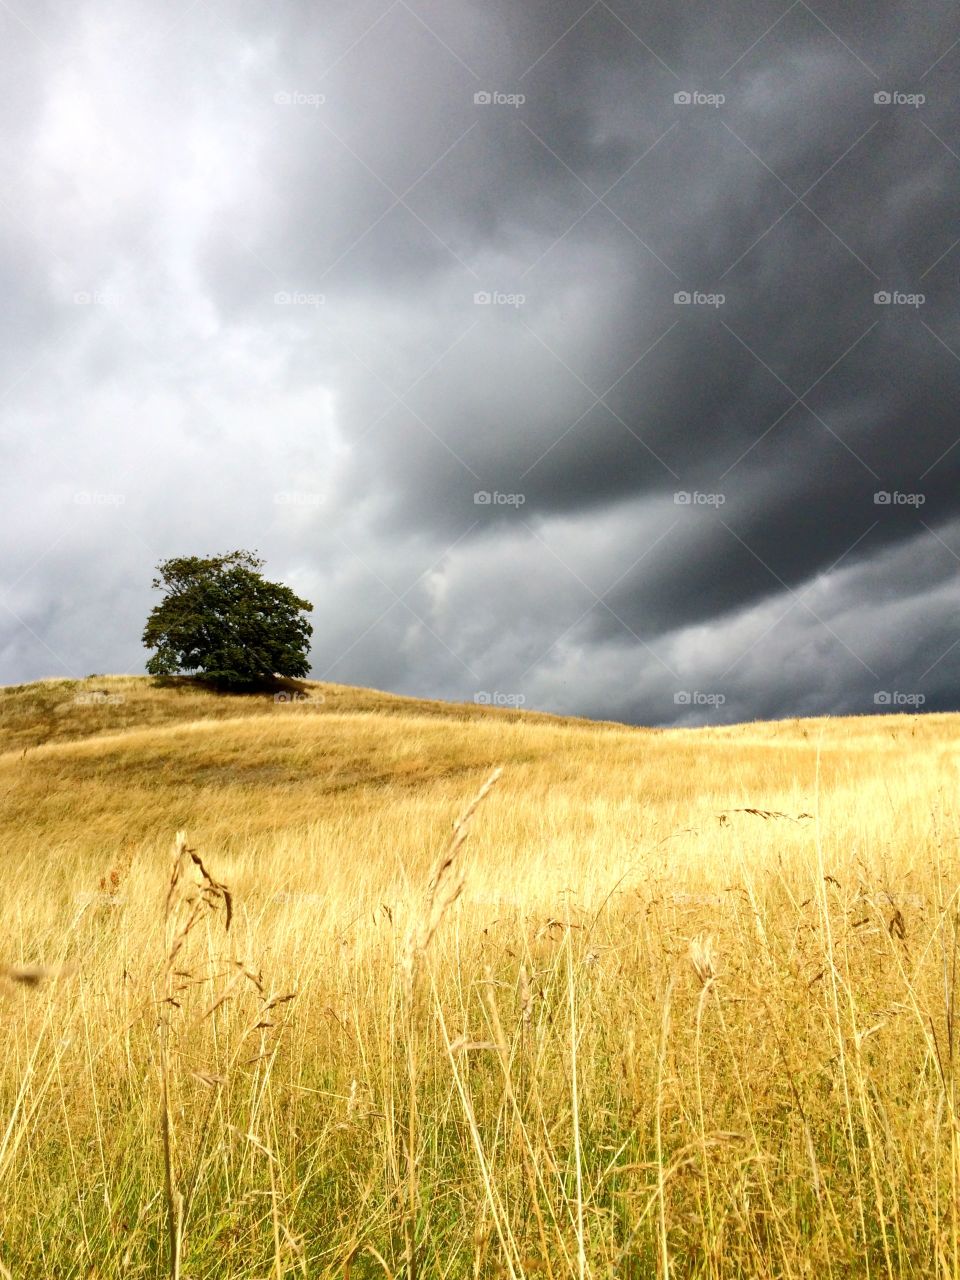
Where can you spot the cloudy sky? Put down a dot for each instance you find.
(601, 357)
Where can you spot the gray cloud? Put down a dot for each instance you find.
(277, 279)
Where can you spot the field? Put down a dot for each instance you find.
(658, 1002)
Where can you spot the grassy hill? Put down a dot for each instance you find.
(63, 710)
(672, 1000)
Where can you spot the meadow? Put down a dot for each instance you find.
(354, 986)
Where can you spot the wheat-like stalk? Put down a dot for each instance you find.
(446, 883)
(189, 898)
(703, 958)
(444, 888)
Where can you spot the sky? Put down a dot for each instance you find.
(599, 358)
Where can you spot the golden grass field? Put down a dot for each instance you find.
(669, 1002)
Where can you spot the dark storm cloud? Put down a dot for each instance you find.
(799, 320)
(279, 278)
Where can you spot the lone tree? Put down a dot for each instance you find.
(222, 619)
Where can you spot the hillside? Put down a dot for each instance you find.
(64, 710)
(677, 993)
(113, 762)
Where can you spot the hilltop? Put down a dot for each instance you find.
(59, 710)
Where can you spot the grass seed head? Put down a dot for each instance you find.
(703, 957)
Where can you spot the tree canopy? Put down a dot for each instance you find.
(220, 618)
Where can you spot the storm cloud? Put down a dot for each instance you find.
(599, 357)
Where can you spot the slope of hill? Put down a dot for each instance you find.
(682, 999)
(64, 710)
(113, 762)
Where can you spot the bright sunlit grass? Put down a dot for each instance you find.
(668, 1002)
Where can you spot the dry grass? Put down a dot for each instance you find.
(673, 1003)
(56, 711)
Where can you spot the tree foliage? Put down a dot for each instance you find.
(220, 618)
